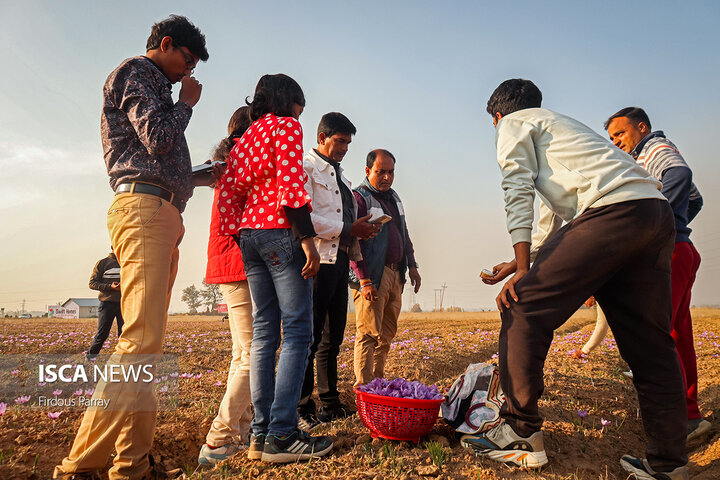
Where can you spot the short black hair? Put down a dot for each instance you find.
(370, 161)
(275, 94)
(513, 95)
(335, 122)
(183, 34)
(635, 114)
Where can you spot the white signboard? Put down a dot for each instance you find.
(63, 312)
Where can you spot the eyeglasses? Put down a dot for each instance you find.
(189, 60)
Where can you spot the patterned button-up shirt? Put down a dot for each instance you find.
(143, 130)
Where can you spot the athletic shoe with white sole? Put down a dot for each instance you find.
(696, 428)
(212, 456)
(640, 468)
(257, 445)
(307, 421)
(299, 445)
(502, 444)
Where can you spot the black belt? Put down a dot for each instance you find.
(138, 187)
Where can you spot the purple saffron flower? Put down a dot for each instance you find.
(3, 408)
(54, 415)
(22, 399)
(582, 414)
(57, 392)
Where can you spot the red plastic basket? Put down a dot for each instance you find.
(397, 418)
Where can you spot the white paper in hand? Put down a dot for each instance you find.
(376, 212)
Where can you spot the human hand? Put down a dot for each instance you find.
(501, 271)
(369, 292)
(210, 178)
(312, 265)
(590, 302)
(414, 278)
(509, 287)
(362, 229)
(190, 90)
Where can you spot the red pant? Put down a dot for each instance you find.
(685, 264)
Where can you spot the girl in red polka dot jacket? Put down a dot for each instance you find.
(264, 205)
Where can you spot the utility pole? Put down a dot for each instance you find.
(442, 295)
(23, 306)
(436, 290)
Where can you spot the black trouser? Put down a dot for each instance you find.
(107, 312)
(330, 301)
(620, 254)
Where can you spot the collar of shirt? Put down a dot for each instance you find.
(638, 148)
(335, 165)
(167, 81)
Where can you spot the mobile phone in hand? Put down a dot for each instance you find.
(486, 274)
(204, 168)
(380, 220)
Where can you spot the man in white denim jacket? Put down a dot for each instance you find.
(334, 216)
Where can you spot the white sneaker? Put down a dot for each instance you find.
(212, 456)
(696, 428)
(640, 468)
(502, 444)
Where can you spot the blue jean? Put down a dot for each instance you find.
(281, 298)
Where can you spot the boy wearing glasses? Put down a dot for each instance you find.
(148, 162)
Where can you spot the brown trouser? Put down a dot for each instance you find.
(620, 254)
(376, 323)
(145, 232)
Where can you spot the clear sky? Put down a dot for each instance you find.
(413, 76)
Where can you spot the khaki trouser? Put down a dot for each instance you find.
(145, 232)
(234, 415)
(376, 323)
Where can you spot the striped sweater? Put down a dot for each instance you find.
(662, 160)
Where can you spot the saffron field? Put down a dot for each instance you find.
(589, 406)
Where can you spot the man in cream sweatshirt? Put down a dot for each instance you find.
(616, 245)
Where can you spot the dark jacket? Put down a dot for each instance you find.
(105, 273)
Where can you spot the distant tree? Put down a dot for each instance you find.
(211, 295)
(192, 296)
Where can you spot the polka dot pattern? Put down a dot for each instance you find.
(264, 174)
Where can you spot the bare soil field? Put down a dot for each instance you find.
(430, 347)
